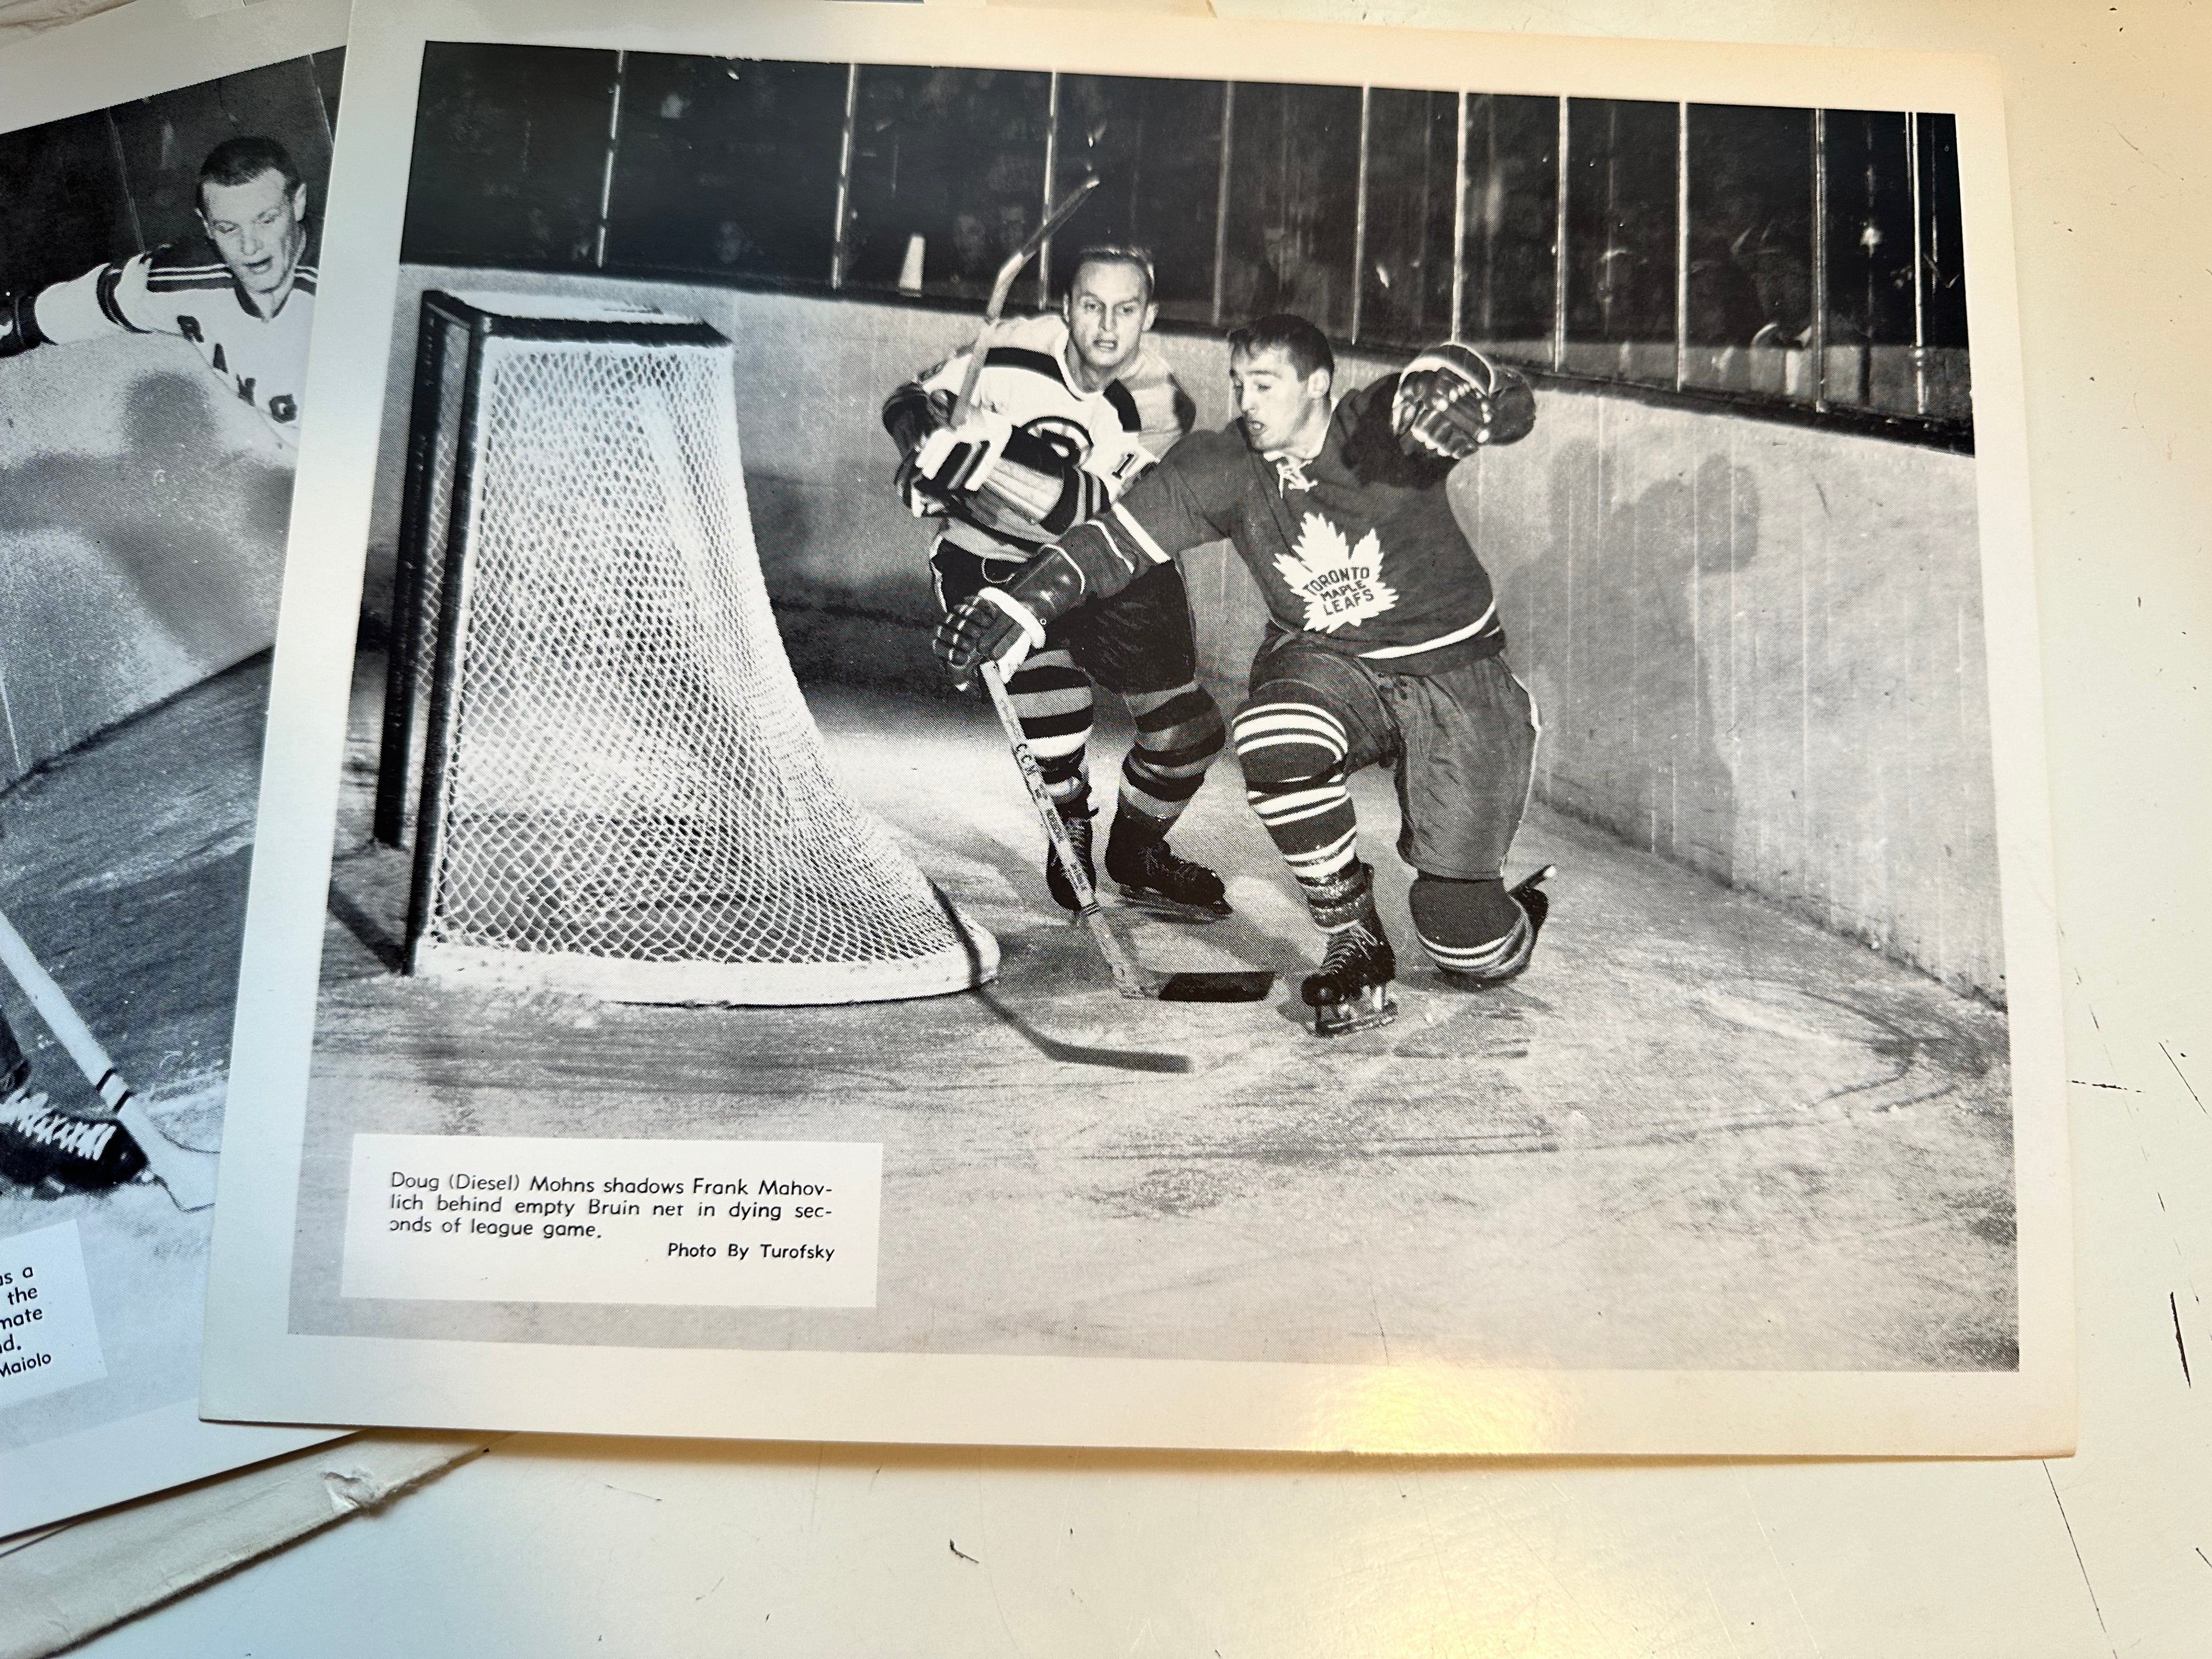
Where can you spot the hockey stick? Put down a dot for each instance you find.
(1062, 211)
(189, 1175)
(1131, 980)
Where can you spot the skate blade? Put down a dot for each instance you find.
(1167, 909)
(1337, 1019)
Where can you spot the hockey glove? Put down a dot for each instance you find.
(911, 414)
(919, 495)
(1004, 625)
(1452, 401)
(19, 323)
(954, 460)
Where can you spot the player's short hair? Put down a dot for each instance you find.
(1139, 260)
(1306, 346)
(242, 160)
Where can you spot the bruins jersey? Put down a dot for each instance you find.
(1113, 434)
(185, 290)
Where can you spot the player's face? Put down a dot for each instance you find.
(259, 227)
(1107, 317)
(1280, 409)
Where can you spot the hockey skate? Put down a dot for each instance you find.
(1151, 877)
(1352, 992)
(1055, 879)
(37, 1142)
(1534, 900)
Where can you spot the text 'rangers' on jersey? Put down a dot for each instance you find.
(242, 292)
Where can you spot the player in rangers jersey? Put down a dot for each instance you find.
(1068, 409)
(243, 294)
(1383, 644)
(38, 1144)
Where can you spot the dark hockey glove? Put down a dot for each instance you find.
(954, 460)
(1005, 624)
(911, 414)
(1452, 401)
(915, 492)
(19, 323)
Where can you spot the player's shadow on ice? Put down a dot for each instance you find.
(196, 529)
(1119, 1059)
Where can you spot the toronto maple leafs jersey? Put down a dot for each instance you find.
(1357, 548)
(184, 289)
(1113, 434)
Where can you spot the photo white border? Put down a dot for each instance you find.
(138, 51)
(256, 1369)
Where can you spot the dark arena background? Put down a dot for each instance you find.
(1750, 1108)
(141, 546)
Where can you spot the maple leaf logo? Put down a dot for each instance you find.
(1342, 586)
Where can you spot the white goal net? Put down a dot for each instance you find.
(623, 792)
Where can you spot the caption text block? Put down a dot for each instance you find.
(762, 1224)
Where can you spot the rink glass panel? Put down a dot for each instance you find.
(1795, 263)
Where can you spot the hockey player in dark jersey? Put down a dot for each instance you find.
(1383, 644)
(1068, 409)
(243, 293)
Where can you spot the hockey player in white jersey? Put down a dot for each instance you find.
(1069, 409)
(243, 292)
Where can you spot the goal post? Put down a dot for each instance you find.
(592, 735)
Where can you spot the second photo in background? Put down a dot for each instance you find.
(159, 259)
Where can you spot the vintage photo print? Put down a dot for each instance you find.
(168, 180)
(1335, 750)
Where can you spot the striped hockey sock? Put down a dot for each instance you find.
(1292, 755)
(1179, 732)
(1474, 929)
(1053, 698)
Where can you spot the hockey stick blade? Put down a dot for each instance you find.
(1133, 981)
(1250, 985)
(1003, 285)
(189, 1175)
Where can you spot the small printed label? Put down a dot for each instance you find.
(733, 1223)
(47, 1337)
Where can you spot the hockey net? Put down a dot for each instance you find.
(623, 792)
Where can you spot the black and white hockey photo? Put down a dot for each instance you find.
(1353, 721)
(158, 264)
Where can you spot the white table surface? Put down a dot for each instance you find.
(592, 1546)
